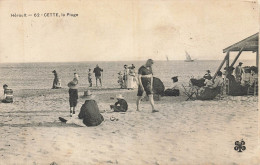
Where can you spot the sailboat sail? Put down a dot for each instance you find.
(167, 58)
(188, 58)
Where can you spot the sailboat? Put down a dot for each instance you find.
(188, 58)
(167, 58)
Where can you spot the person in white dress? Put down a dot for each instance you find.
(130, 80)
(126, 75)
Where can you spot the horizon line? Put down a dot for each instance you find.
(112, 61)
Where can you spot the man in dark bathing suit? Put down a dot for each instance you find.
(145, 79)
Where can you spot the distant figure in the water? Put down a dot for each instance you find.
(56, 82)
(73, 96)
(8, 94)
(120, 105)
(97, 71)
(89, 77)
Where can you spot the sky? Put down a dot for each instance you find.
(122, 30)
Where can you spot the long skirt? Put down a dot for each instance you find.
(130, 82)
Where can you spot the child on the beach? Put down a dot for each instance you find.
(76, 78)
(73, 96)
(89, 77)
(8, 94)
(120, 79)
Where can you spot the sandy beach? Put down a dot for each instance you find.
(183, 132)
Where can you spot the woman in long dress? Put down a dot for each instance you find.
(126, 76)
(130, 79)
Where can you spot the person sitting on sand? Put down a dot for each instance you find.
(145, 84)
(89, 112)
(218, 82)
(207, 75)
(235, 88)
(8, 94)
(176, 86)
(120, 105)
(73, 96)
(253, 76)
(175, 90)
(210, 92)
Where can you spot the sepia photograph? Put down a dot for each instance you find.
(129, 82)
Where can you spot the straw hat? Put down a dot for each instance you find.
(88, 95)
(119, 96)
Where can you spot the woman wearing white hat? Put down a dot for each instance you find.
(121, 105)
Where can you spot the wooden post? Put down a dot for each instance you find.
(237, 57)
(227, 60)
(257, 58)
(220, 66)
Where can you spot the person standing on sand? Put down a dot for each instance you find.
(97, 70)
(56, 79)
(125, 78)
(89, 77)
(145, 78)
(239, 72)
(73, 96)
(76, 78)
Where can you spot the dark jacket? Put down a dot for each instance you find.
(73, 94)
(89, 112)
(97, 71)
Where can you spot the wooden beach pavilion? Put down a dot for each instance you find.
(248, 44)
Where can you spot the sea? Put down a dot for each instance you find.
(20, 76)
